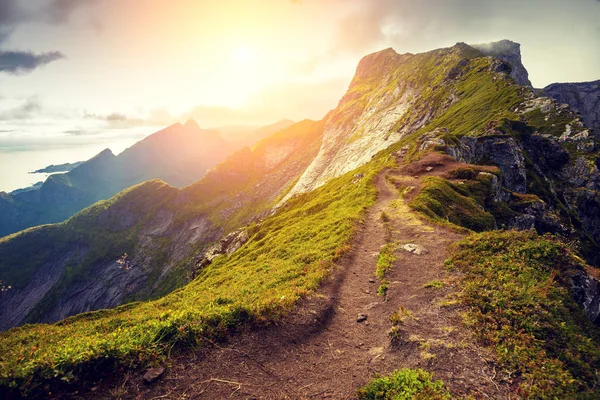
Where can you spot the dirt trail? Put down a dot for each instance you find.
(321, 351)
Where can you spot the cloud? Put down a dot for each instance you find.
(12, 14)
(54, 12)
(117, 120)
(22, 111)
(20, 62)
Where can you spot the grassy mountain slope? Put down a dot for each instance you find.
(162, 230)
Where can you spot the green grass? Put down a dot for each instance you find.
(483, 99)
(286, 258)
(400, 315)
(444, 202)
(434, 284)
(405, 384)
(516, 288)
(385, 260)
(383, 288)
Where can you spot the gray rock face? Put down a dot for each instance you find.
(502, 151)
(586, 292)
(510, 52)
(227, 245)
(582, 97)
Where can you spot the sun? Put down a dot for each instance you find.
(243, 55)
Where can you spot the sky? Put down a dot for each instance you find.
(74, 69)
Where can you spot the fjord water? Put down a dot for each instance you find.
(18, 158)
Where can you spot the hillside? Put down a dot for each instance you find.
(421, 152)
(179, 155)
(161, 229)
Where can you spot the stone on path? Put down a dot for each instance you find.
(153, 374)
(415, 249)
(361, 317)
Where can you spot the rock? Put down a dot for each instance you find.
(546, 152)
(522, 222)
(429, 169)
(371, 280)
(498, 194)
(415, 249)
(432, 139)
(226, 245)
(361, 317)
(153, 374)
(586, 293)
(583, 97)
(501, 150)
(357, 178)
(401, 153)
(376, 351)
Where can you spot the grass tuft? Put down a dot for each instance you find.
(405, 384)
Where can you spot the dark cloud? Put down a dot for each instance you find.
(12, 13)
(20, 62)
(9, 12)
(23, 111)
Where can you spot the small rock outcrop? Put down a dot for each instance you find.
(227, 245)
(498, 149)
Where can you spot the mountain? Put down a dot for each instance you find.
(160, 227)
(66, 167)
(292, 237)
(583, 97)
(179, 155)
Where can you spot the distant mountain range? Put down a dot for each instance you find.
(179, 155)
(66, 167)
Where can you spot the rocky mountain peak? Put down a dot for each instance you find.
(509, 51)
(191, 124)
(377, 64)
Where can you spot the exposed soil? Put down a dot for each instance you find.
(322, 352)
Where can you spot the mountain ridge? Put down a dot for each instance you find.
(464, 145)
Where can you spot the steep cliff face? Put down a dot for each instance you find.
(390, 96)
(509, 52)
(583, 97)
(147, 240)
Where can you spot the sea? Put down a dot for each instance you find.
(19, 158)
